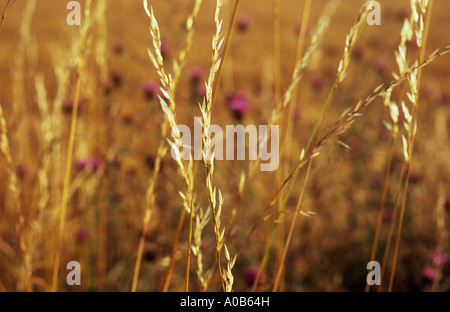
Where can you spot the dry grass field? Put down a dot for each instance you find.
(95, 182)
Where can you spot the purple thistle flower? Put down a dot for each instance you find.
(358, 52)
(81, 235)
(202, 90)
(297, 113)
(403, 12)
(429, 273)
(118, 49)
(69, 104)
(445, 98)
(413, 44)
(84, 163)
(151, 89)
(298, 28)
(116, 79)
(439, 258)
(21, 171)
(239, 104)
(107, 84)
(150, 255)
(355, 143)
(251, 275)
(380, 64)
(317, 82)
(165, 48)
(196, 75)
(244, 22)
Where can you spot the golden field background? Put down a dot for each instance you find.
(329, 251)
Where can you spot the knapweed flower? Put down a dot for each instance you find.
(118, 49)
(116, 79)
(196, 75)
(165, 48)
(151, 89)
(92, 163)
(298, 28)
(250, 277)
(403, 12)
(297, 113)
(380, 64)
(445, 98)
(412, 43)
(21, 171)
(358, 52)
(81, 235)
(107, 84)
(244, 22)
(355, 143)
(201, 90)
(439, 258)
(68, 105)
(429, 273)
(149, 255)
(317, 82)
(239, 104)
(150, 161)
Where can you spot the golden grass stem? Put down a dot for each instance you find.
(285, 133)
(297, 73)
(139, 258)
(168, 106)
(6, 150)
(4, 12)
(400, 226)
(426, 9)
(149, 204)
(383, 201)
(70, 148)
(291, 229)
(226, 48)
(391, 230)
(166, 284)
(188, 262)
(277, 51)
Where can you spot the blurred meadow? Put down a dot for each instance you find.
(114, 204)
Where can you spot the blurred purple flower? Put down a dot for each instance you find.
(165, 48)
(429, 273)
(297, 113)
(413, 44)
(239, 104)
(358, 52)
(68, 105)
(93, 163)
(244, 22)
(118, 49)
(355, 143)
(202, 90)
(380, 64)
(149, 255)
(317, 82)
(439, 258)
(403, 12)
(116, 78)
(298, 28)
(151, 89)
(196, 75)
(21, 171)
(445, 98)
(107, 84)
(251, 275)
(81, 235)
